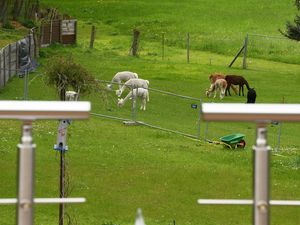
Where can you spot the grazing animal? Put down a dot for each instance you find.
(219, 85)
(236, 80)
(133, 83)
(214, 76)
(142, 93)
(121, 77)
(71, 96)
(251, 96)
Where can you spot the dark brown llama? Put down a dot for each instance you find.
(236, 80)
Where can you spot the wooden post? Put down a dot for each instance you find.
(60, 31)
(75, 30)
(188, 47)
(163, 46)
(245, 52)
(237, 55)
(51, 28)
(92, 37)
(135, 43)
(35, 43)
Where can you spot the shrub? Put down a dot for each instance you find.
(63, 73)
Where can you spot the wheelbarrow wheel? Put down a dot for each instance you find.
(242, 144)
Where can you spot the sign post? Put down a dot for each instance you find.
(29, 111)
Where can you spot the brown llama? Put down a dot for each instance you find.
(214, 76)
(236, 80)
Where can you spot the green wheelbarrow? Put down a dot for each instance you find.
(234, 141)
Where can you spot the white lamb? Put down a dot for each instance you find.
(133, 83)
(219, 85)
(142, 93)
(121, 77)
(71, 96)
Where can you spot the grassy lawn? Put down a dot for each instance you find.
(120, 168)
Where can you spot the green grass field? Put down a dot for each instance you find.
(120, 168)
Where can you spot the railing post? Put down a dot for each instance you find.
(26, 176)
(261, 177)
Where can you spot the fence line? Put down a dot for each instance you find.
(268, 36)
(168, 130)
(205, 127)
(133, 111)
(10, 57)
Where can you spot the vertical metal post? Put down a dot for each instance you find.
(188, 47)
(206, 131)
(25, 84)
(279, 131)
(163, 46)
(133, 103)
(17, 57)
(261, 177)
(245, 52)
(26, 176)
(199, 119)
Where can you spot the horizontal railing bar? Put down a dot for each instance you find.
(32, 110)
(245, 202)
(9, 201)
(256, 113)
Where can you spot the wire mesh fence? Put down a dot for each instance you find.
(276, 48)
(181, 114)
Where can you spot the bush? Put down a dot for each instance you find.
(28, 23)
(8, 26)
(64, 73)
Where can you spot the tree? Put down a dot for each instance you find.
(4, 11)
(17, 9)
(64, 73)
(293, 29)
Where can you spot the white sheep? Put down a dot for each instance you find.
(71, 96)
(142, 93)
(121, 77)
(133, 83)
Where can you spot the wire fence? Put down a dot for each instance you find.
(180, 114)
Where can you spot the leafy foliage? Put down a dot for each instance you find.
(293, 29)
(63, 72)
